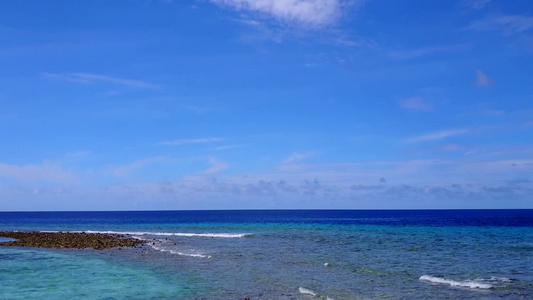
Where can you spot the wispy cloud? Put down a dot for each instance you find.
(216, 166)
(127, 169)
(297, 156)
(416, 104)
(89, 78)
(483, 79)
(266, 31)
(509, 24)
(308, 13)
(226, 147)
(261, 32)
(47, 172)
(438, 135)
(414, 53)
(340, 38)
(179, 142)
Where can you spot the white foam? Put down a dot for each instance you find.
(190, 254)
(305, 291)
(473, 284)
(500, 279)
(183, 234)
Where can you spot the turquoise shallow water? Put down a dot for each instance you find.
(223, 257)
(48, 274)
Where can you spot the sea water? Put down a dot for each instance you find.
(295, 254)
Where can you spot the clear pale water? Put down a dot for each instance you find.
(456, 254)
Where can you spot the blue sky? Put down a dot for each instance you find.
(230, 104)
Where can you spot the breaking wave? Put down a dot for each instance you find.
(305, 291)
(479, 283)
(181, 253)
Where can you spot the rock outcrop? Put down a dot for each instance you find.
(74, 240)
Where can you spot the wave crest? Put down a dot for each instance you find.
(473, 284)
(190, 254)
(305, 291)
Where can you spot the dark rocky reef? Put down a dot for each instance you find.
(72, 240)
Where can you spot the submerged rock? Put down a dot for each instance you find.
(73, 240)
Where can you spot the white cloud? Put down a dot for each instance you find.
(216, 166)
(420, 178)
(260, 194)
(127, 169)
(509, 24)
(226, 147)
(416, 104)
(312, 13)
(340, 38)
(46, 172)
(408, 184)
(297, 156)
(482, 79)
(88, 78)
(179, 142)
(438, 135)
(414, 53)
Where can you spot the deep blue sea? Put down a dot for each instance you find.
(278, 254)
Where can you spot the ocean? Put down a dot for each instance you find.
(278, 254)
